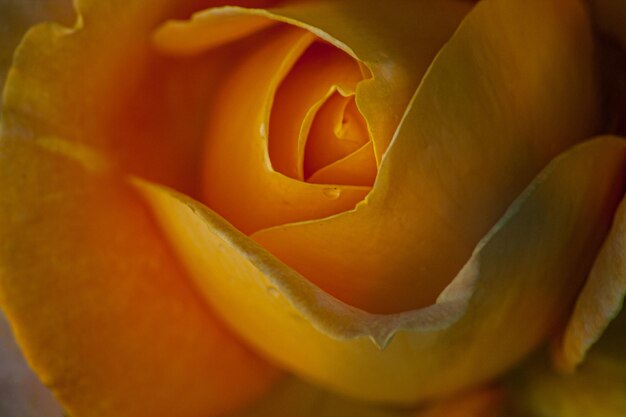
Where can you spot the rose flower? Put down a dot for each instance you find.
(397, 202)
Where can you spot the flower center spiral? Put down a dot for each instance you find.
(286, 141)
(320, 136)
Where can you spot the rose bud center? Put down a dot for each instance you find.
(287, 142)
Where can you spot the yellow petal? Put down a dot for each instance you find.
(496, 105)
(508, 297)
(102, 83)
(207, 30)
(601, 299)
(596, 389)
(135, 106)
(99, 304)
(293, 397)
(17, 16)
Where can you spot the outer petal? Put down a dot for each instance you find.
(601, 299)
(101, 308)
(596, 389)
(16, 16)
(102, 83)
(508, 297)
(295, 398)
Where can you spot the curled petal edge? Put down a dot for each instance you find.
(528, 254)
(600, 301)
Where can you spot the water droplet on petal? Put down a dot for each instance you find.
(332, 192)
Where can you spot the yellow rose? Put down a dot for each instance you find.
(396, 201)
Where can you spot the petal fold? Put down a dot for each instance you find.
(370, 31)
(519, 282)
(601, 299)
(469, 143)
(238, 179)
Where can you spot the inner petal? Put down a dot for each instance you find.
(320, 71)
(469, 143)
(358, 168)
(239, 181)
(337, 131)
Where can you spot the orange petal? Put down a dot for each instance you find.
(103, 311)
(358, 168)
(239, 182)
(319, 71)
(103, 83)
(337, 131)
(469, 143)
(208, 29)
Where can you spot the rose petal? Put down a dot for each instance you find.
(239, 182)
(358, 168)
(134, 106)
(471, 140)
(100, 306)
(516, 287)
(207, 29)
(320, 71)
(16, 16)
(102, 83)
(596, 389)
(337, 131)
(601, 299)
(371, 31)
(293, 397)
